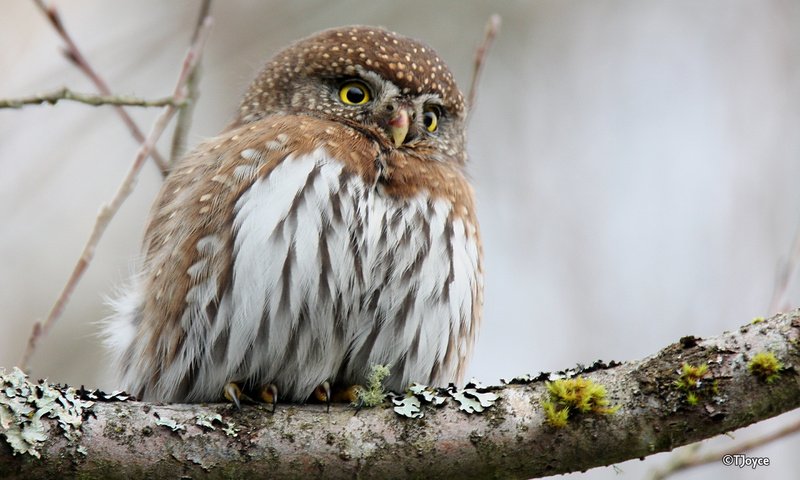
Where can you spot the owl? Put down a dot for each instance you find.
(329, 228)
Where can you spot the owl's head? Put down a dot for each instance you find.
(388, 86)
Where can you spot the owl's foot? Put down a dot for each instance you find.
(337, 394)
(323, 393)
(269, 394)
(233, 393)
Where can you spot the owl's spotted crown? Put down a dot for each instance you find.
(341, 52)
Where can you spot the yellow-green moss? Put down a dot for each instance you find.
(555, 417)
(765, 366)
(689, 382)
(757, 320)
(690, 376)
(574, 395)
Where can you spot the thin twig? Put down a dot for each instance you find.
(492, 27)
(785, 271)
(184, 121)
(74, 55)
(89, 99)
(691, 461)
(108, 211)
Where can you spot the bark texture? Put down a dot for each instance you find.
(511, 440)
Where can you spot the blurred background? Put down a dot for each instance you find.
(636, 165)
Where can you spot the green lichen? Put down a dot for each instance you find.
(575, 396)
(373, 394)
(765, 366)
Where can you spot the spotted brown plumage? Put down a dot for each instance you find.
(315, 236)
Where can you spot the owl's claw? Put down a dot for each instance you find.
(323, 394)
(269, 394)
(233, 393)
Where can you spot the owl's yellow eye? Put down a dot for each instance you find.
(354, 93)
(430, 118)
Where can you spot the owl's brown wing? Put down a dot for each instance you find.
(166, 334)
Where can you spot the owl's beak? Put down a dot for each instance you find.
(398, 126)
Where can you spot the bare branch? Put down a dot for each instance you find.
(74, 55)
(186, 111)
(511, 440)
(95, 100)
(108, 211)
(492, 27)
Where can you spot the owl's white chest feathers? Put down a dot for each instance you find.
(329, 276)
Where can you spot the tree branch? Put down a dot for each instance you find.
(511, 440)
(186, 111)
(492, 27)
(74, 55)
(95, 100)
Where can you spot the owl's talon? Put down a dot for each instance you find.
(323, 394)
(269, 394)
(233, 393)
(327, 394)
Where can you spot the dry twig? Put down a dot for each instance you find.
(492, 27)
(95, 100)
(108, 211)
(74, 55)
(186, 111)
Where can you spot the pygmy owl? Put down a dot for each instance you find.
(329, 227)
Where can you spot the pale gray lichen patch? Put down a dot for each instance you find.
(207, 420)
(23, 405)
(473, 398)
(407, 406)
(427, 394)
(230, 429)
(170, 423)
